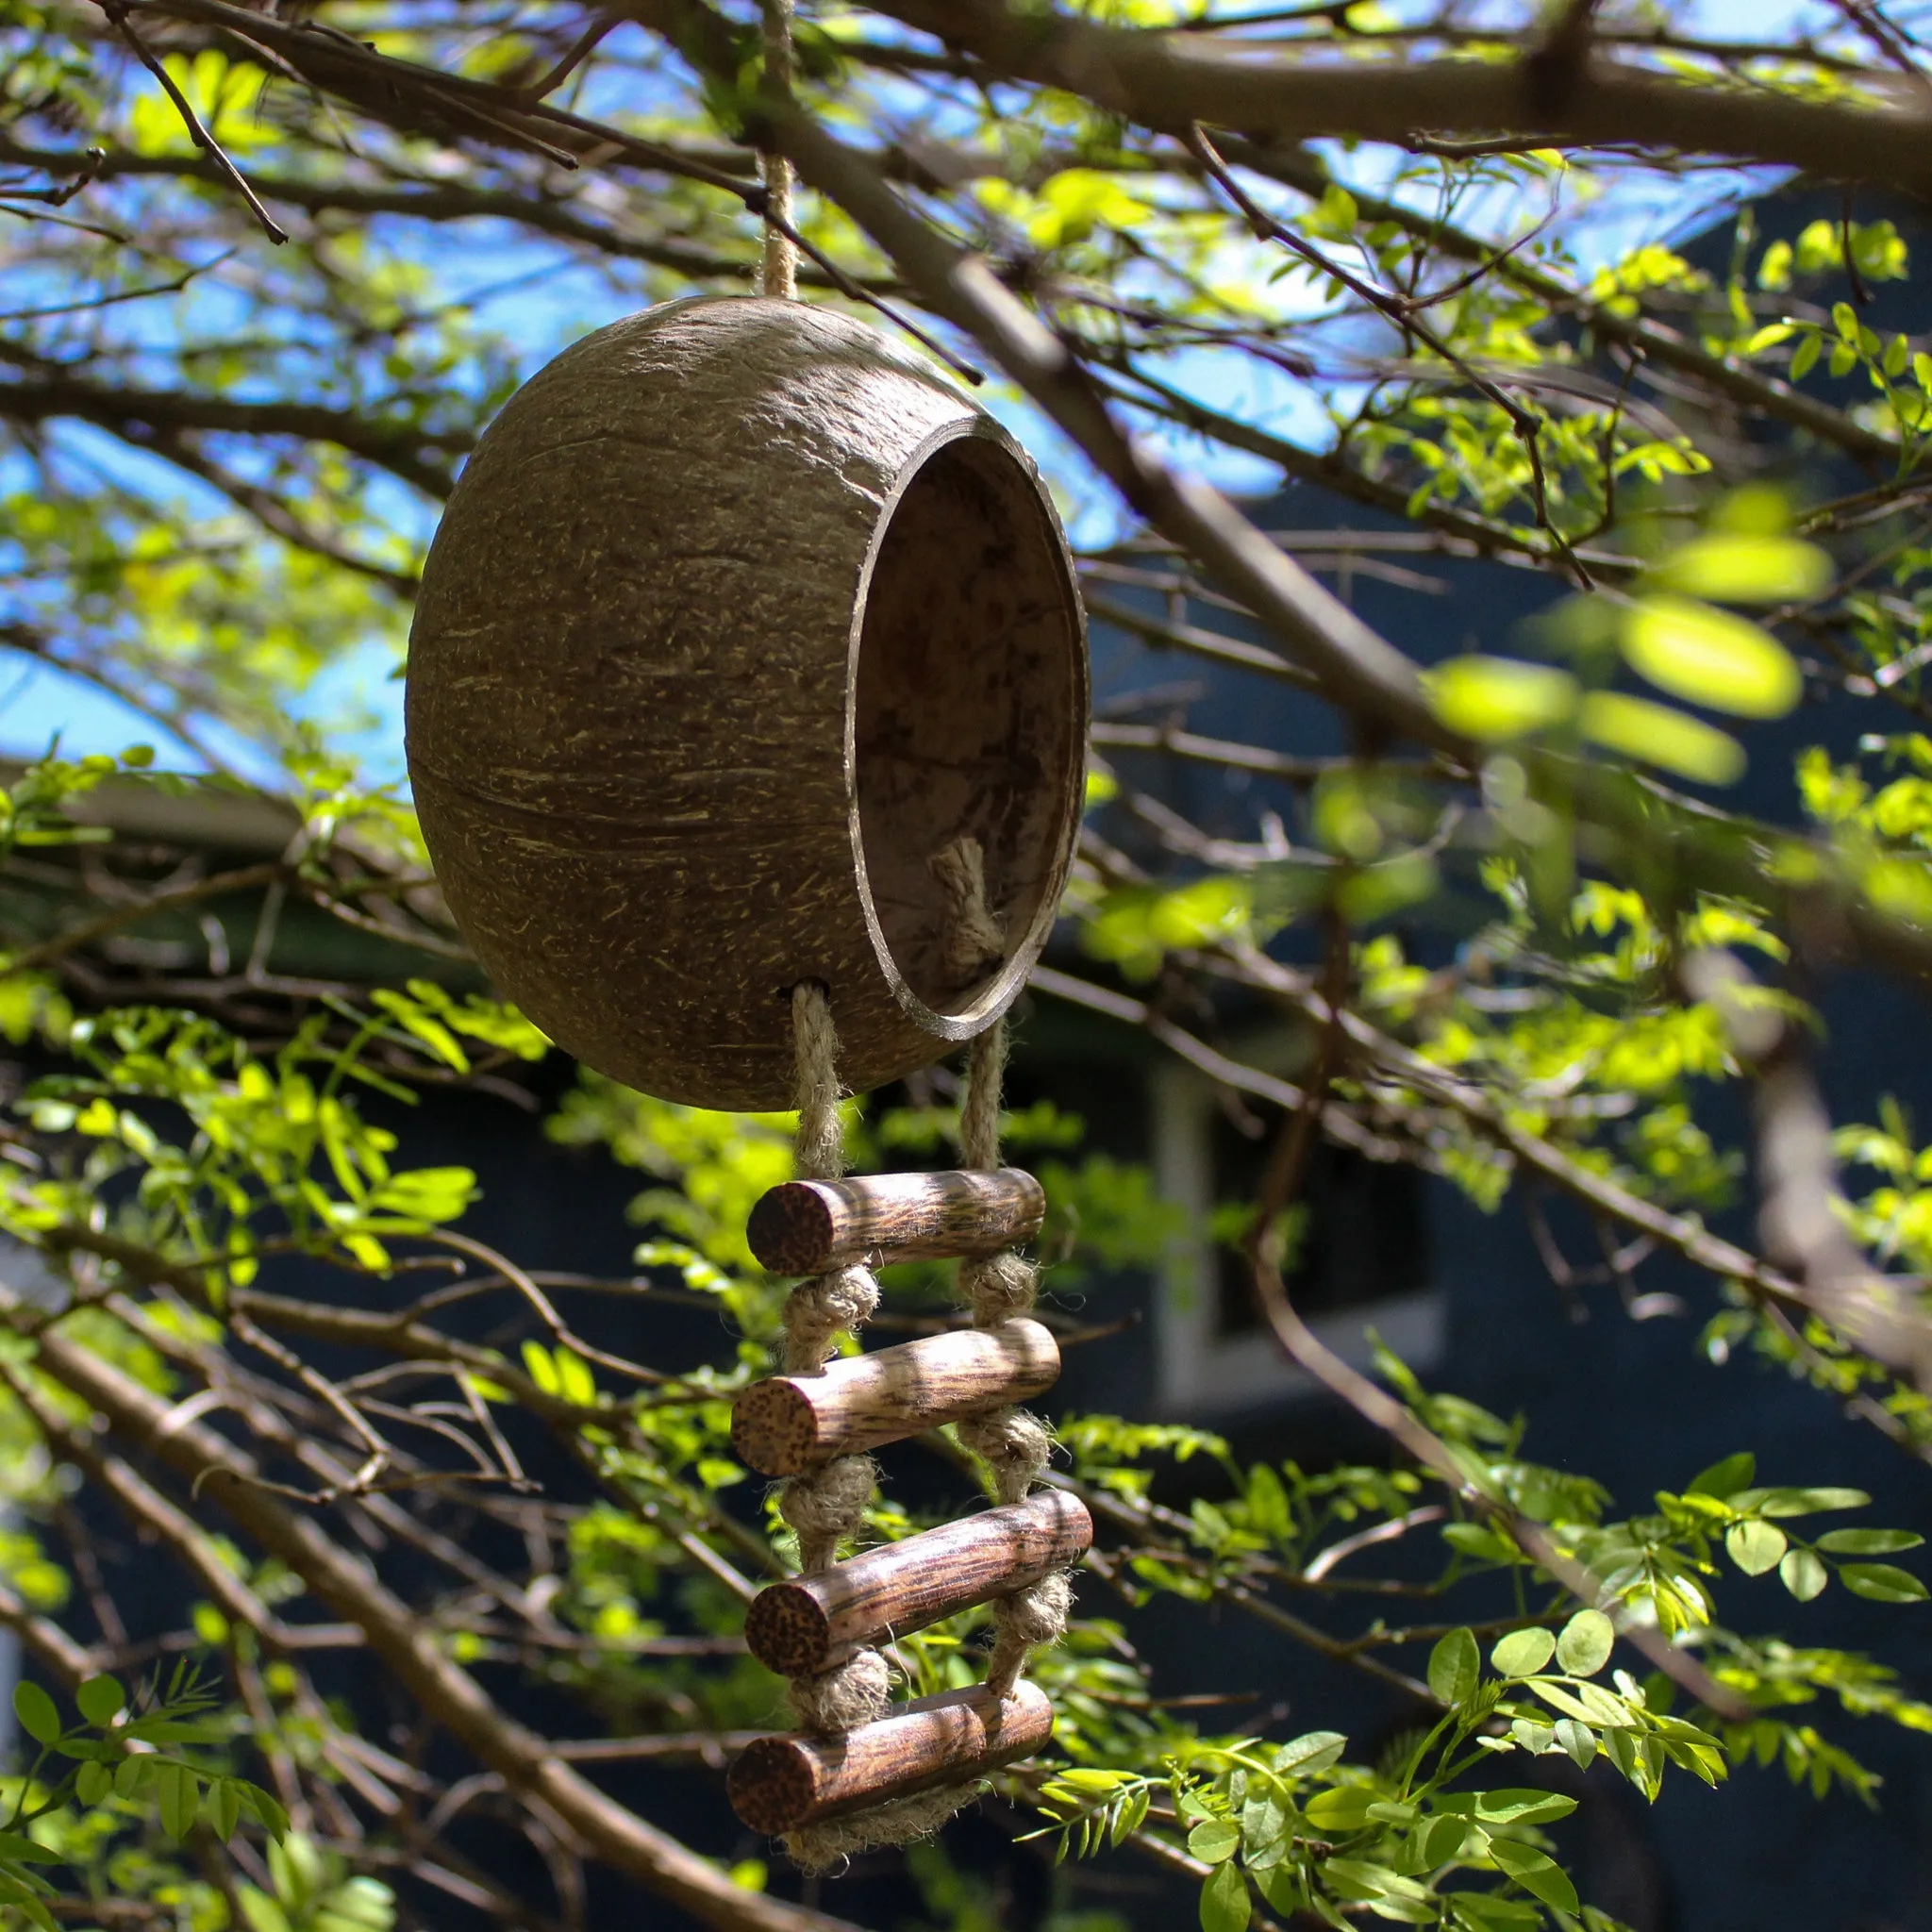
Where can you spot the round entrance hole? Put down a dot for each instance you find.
(968, 716)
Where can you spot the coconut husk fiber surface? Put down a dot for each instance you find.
(738, 614)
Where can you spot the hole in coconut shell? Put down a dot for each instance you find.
(969, 714)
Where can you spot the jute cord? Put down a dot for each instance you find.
(974, 943)
(1014, 1445)
(827, 1504)
(778, 269)
(897, 1822)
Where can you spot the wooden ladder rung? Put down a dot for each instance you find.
(808, 1624)
(778, 1783)
(810, 1228)
(789, 1423)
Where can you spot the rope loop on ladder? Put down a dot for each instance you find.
(1014, 1445)
(827, 1507)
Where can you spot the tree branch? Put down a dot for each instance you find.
(402, 450)
(1167, 80)
(414, 1658)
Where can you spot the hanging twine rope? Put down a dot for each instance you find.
(826, 1506)
(829, 1506)
(1015, 1446)
(779, 272)
(974, 943)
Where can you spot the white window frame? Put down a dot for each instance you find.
(1200, 1372)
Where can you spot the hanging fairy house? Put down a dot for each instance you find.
(740, 614)
(746, 716)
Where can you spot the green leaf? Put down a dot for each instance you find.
(1725, 1479)
(1200, 914)
(224, 1807)
(1455, 1668)
(1869, 1542)
(1264, 1830)
(92, 1782)
(1389, 1893)
(1802, 1575)
(1884, 1583)
(101, 1700)
(274, 1820)
(297, 1869)
(1799, 1502)
(180, 1795)
(359, 1901)
(1225, 1906)
(1589, 1702)
(26, 1851)
(1755, 1547)
(1662, 735)
(1579, 1740)
(1345, 1808)
(1215, 1840)
(1311, 1752)
(1536, 1872)
(1280, 1884)
(1744, 570)
(1584, 1646)
(1442, 1839)
(1489, 1911)
(40, 1718)
(1804, 357)
(1524, 1652)
(1496, 698)
(262, 1913)
(1710, 657)
(574, 1380)
(1268, 1506)
(1521, 1805)
(1092, 1778)
(172, 1730)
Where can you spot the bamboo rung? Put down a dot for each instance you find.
(807, 1625)
(787, 1423)
(810, 1228)
(778, 1783)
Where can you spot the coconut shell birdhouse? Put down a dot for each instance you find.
(740, 614)
(746, 719)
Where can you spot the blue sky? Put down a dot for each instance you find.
(37, 702)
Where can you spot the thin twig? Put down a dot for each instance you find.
(116, 11)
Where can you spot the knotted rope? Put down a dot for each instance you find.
(1015, 1446)
(827, 1504)
(897, 1822)
(973, 942)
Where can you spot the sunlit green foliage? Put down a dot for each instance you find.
(220, 459)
